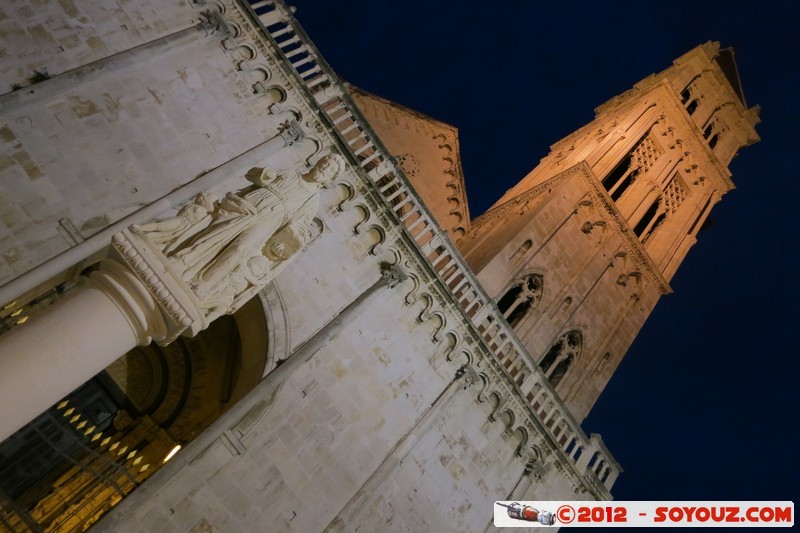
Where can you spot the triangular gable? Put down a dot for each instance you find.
(428, 152)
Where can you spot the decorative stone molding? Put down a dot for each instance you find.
(178, 308)
(213, 256)
(467, 375)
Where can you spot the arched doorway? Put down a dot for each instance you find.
(73, 463)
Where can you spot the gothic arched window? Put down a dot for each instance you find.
(634, 164)
(521, 298)
(561, 355)
(689, 99)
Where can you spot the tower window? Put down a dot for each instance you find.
(521, 298)
(561, 355)
(637, 162)
(648, 217)
(522, 250)
(659, 220)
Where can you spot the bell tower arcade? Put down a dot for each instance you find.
(579, 251)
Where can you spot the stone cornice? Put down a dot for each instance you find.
(522, 199)
(427, 249)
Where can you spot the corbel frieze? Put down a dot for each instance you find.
(255, 57)
(520, 202)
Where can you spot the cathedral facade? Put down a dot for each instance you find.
(240, 294)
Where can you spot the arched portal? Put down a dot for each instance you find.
(70, 465)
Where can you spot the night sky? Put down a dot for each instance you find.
(705, 404)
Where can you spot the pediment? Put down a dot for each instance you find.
(428, 152)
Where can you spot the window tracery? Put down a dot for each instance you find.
(689, 100)
(521, 298)
(561, 355)
(637, 162)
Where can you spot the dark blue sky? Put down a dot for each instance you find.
(705, 404)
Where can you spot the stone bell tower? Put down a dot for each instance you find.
(579, 251)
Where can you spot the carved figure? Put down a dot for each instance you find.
(228, 251)
(239, 286)
(192, 218)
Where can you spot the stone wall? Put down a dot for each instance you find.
(81, 152)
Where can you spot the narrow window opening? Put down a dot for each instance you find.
(622, 187)
(520, 299)
(618, 172)
(561, 355)
(645, 221)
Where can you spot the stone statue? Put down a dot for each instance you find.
(192, 218)
(238, 287)
(229, 251)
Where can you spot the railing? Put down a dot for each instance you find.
(367, 151)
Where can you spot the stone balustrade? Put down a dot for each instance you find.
(588, 455)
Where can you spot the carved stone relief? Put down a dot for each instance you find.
(221, 252)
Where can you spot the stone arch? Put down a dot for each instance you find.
(465, 355)
(377, 236)
(363, 213)
(439, 322)
(496, 403)
(507, 418)
(522, 435)
(410, 297)
(448, 343)
(484, 386)
(128, 419)
(344, 192)
(427, 304)
(274, 93)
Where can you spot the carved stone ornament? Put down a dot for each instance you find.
(467, 375)
(393, 275)
(215, 254)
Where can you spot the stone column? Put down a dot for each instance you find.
(524, 483)
(58, 349)
(226, 426)
(144, 292)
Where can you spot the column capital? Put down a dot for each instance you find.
(467, 376)
(392, 275)
(291, 132)
(179, 309)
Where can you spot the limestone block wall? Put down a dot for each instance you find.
(451, 480)
(59, 36)
(77, 154)
(296, 461)
(333, 270)
(328, 429)
(349, 421)
(592, 283)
